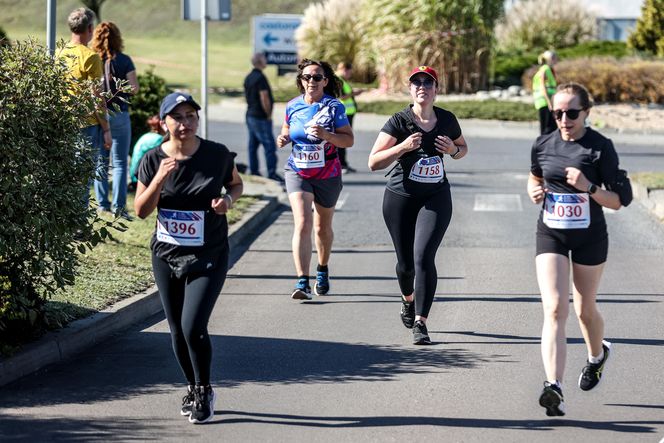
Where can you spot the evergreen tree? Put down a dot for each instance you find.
(649, 33)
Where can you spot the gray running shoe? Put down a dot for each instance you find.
(420, 334)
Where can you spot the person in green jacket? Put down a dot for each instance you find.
(544, 86)
(347, 98)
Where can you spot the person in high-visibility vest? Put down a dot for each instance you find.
(347, 98)
(544, 86)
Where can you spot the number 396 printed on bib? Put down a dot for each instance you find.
(182, 228)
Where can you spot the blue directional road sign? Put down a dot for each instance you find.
(274, 35)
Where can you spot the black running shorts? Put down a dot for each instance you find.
(588, 246)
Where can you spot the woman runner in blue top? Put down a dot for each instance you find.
(316, 125)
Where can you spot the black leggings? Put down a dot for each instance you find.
(188, 304)
(417, 226)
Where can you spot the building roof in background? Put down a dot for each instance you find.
(606, 9)
(615, 9)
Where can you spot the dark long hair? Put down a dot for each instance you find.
(333, 87)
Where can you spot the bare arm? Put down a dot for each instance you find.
(284, 137)
(535, 188)
(147, 197)
(342, 138)
(456, 149)
(385, 150)
(602, 196)
(234, 189)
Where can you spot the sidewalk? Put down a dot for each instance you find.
(82, 334)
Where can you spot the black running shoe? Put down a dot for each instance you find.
(322, 285)
(420, 334)
(202, 410)
(302, 290)
(187, 401)
(407, 313)
(592, 372)
(552, 399)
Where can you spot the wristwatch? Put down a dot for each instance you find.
(592, 188)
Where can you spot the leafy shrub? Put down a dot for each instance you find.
(611, 80)
(543, 24)
(454, 37)
(649, 33)
(331, 31)
(45, 168)
(151, 90)
(510, 66)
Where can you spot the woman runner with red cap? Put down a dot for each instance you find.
(417, 204)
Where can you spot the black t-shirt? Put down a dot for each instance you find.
(401, 125)
(253, 84)
(197, 181)
(593, 154)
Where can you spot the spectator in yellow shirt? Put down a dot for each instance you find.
(85, 64)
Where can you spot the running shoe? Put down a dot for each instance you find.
(420, 334)
(322, 285)
(302, 290)
(592, 372)
(187, 401)
(407, 313)
(552, 399)
(202, 410)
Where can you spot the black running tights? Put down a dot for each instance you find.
(188, 304)
(417, 226)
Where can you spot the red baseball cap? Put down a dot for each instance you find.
(424, 70)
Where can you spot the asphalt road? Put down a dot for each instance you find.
(341, 367)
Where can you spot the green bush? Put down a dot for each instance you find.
(510, 66)
(4, 40)
(151, 90)
(486, 109)
(611, 80)
(45, 168)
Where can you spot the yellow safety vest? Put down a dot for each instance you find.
(549, 84)
(349, 103)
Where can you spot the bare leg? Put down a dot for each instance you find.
(586, 281)
(301, 207)
(553, 280)
(324, 233)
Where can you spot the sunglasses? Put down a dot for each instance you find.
(572, 114)
(426, 83)
(315, 77)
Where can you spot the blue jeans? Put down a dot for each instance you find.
(260, 132)
(95, 136)
(121, 133)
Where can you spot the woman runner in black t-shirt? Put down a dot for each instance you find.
(183, 179)
(567, 171)
(417, 205)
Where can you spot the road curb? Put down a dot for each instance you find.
(82, 334)
(652, 200)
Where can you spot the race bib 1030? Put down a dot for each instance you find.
(566, 211)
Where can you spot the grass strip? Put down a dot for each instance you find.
(651, 180)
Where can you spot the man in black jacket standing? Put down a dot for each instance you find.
(259, 118)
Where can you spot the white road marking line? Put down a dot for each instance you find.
(498, 202)
(342, 200)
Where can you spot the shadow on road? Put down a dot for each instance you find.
(366, 422)
(525, 340)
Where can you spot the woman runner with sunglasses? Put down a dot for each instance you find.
(316, 125)
(417, 204)
(568, 168)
